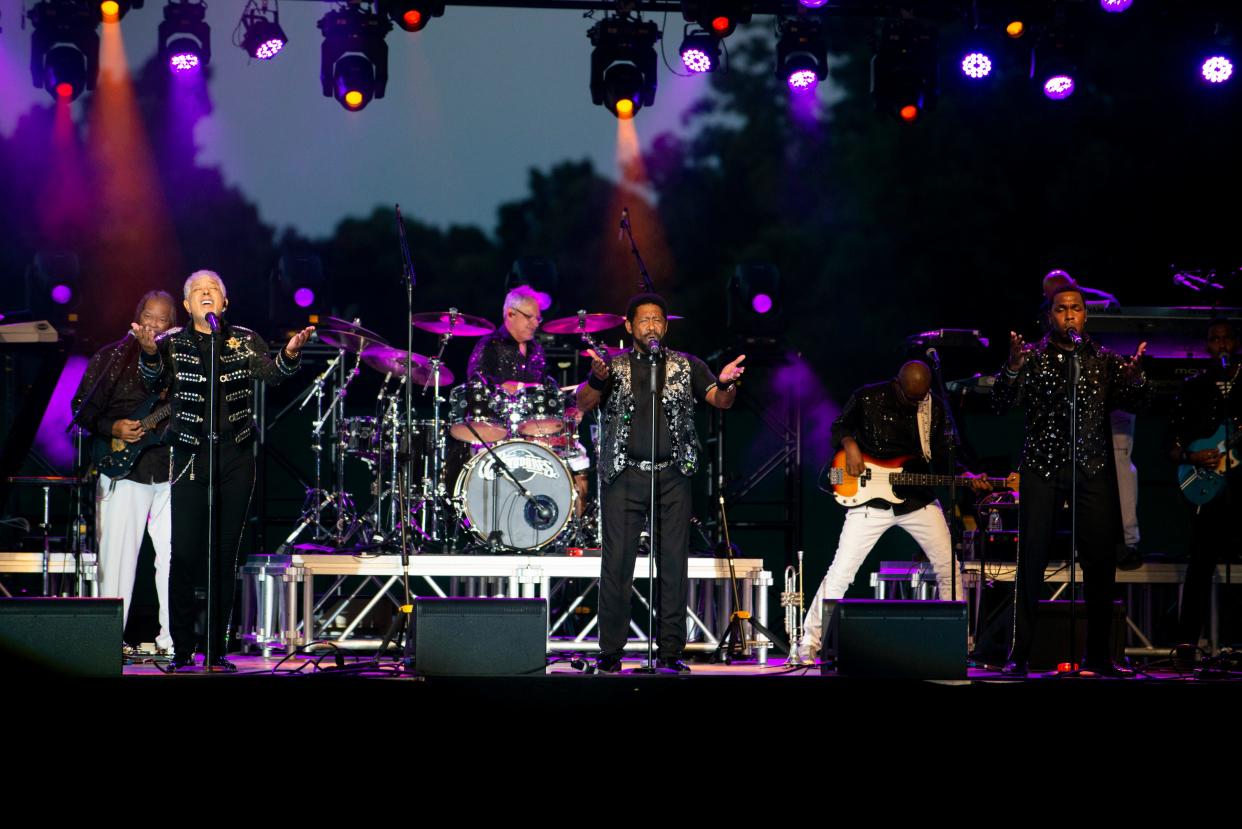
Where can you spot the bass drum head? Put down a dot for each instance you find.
(495, 507)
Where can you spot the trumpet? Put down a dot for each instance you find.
(791, 600)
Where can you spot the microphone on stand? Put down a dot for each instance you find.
(1224, 361)
(653, 346)
(1074, 336)
(934, 356)
(625, 223)
(213, 321)
(384, 386)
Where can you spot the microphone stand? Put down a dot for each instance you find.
(950, 430)
(657, 361)
(409, 279)
(1075, 369)
(647, 285)
(213, 533)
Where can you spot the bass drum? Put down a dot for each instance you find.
(494, 509)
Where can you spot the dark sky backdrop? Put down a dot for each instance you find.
(473, 101)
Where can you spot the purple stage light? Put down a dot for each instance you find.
(813, 4)
(183, 62)
(803, 80)
(696, 60)
(62, 294)
(304, 297)
(269, 48)
(762, 303)
(1114, 6)
(976, 65)
(1059, 87)
(1217, 69)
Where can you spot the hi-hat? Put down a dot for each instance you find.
(590, 324)
(388, 359)
(444, 322)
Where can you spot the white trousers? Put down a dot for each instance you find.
(862, 529)
(1127, 474)
(123, 509)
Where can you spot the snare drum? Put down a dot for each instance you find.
(544, 411)
(496, 510)
(481, 406)
(357, 436)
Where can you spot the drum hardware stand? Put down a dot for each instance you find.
(734, 642)
(434, 481)
(403, 623)
(339, 400)
(315, 390)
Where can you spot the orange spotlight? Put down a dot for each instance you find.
(1015, 29)
(64, 90)
(625, 108)
(110, 10)
(353, 99)
(909, 112)
(721, 24)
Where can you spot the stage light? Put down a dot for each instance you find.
(297, 277)
(753, 305)
(112, 11)
(304, 297)
(52, 282)
(976, 65)
(1053, 64)
(1059, 87)
(1015, 29)
(623, 65)
(904, 73)
(1115, 6)
(185, 37)
(62, 294)
(354, 63)
(1216, 69)
(64, 48)
(762, 303)
(801, 54)
(262, 36)
(700, 52)
(814, 4)
(720, 17)
(412, 15)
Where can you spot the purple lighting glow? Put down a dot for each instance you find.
(804, 80)
(304, 297)
(62, 294)
(696, 60)
(269, 48)
(1115, 6)
(813, 4)
(1217, 69)
(1059, 87)
(976, 65)
(183, 62)
(762, 303)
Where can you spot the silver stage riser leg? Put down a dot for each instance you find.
(383, 592)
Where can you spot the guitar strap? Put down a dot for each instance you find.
(925, 419)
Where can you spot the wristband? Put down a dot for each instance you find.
(595, 382)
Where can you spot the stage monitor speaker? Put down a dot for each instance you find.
(480, 637)
(73, 637)
(899, 639)
(1052, 633)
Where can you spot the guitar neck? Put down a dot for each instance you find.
(149, 422)
(919, 479)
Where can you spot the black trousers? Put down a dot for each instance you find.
(1099, 529)
(1213, 538)
(625, 503)
(188, 569)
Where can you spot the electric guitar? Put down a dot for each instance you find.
(120, 456)
(882, 474)
(1201, 484)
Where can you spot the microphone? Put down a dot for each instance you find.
(384, 386)
(213, 321)
(934, 356)
(1074, 336)
(1224, 361)
(653, 345)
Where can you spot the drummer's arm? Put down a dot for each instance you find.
(591, 391)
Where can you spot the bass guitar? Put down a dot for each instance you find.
(120, 456)
(1202, 484)
(882, 474)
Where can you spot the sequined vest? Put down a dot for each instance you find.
(677, 400)
(189, 385)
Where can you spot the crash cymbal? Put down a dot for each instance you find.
(459, 325)
(593, 323)
(388, 359)
(350, 336)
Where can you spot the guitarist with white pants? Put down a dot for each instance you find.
(889, 420)
(138, 499)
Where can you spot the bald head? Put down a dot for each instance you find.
(914, 378)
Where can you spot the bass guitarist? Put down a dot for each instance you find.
(1209, 402)
(110, 404)
(897, 418)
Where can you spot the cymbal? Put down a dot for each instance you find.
(350, 336)
(388, 359)
(461, 325)
(610, 351)
(593, 323)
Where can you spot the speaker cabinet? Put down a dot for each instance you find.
(898, 639)
(480, 637)
(72, 637)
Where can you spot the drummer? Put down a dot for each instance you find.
(510, 356)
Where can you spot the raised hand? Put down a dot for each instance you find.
(1131, 368)
(145, 335)
(297, 341)
(599, 368)
(1017, 351)
(733, 371)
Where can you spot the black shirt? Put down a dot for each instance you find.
(639, 445)
(498, 358)
(112, 390)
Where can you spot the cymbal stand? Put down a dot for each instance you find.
(344, 503)
(316, 497)
(435, 489)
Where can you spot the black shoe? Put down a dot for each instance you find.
(1014, 668)
(221, 664)
(1129, 558)
(1108, 669)
(672, 663)
(608, 665)
(180, 661)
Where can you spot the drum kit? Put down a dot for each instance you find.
(491, 470)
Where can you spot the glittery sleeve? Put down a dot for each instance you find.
(1007, 390)
(848, 422)
(1122, 394)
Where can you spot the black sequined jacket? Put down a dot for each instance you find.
(1041, 386)
(497, 358)
(1201, 408)
(677, 399)
(884, 428)
(177, 366)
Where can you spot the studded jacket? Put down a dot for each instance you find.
(677, 399)
(178, 366)
(1041, 386)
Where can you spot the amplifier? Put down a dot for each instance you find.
(480, 637)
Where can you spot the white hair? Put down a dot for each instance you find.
(209, 275)
(525, 293)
